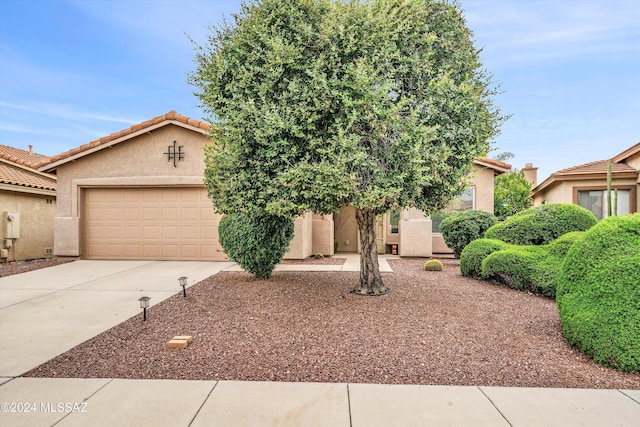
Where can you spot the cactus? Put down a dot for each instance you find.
(433, 265)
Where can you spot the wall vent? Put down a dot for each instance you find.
(48, 251)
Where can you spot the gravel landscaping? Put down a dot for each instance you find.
(17, 267)
(433, 328)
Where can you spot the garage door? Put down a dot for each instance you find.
(149, 224)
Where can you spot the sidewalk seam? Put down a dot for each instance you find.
(494, 405)
(86, 399)
(626, 395)
(203, 402)
(349, 404)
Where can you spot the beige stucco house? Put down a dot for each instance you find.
(27, 206)
(586, 185)
(139, 194)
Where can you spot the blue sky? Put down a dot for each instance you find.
(74, 71)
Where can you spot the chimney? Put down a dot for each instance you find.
(30, 149)
(531, 174)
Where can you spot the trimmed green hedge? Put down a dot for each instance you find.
(531, 268)
(461, 228)
(542, 224)
(475, 252)
(256, 243)
(599, 293)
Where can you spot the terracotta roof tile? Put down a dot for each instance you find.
(599, 166)
(22, 157)
(23, 176)
(497, 163)
(171, 115)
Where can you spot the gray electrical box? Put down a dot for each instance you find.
(10, 225)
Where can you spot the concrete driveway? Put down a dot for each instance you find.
(46, 312)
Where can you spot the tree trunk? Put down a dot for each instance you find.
(370, 278)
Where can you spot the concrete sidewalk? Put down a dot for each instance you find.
(177, 403)
(46, 312)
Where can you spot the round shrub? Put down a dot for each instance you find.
(433, 265)
(256, 243)
(598, 293)
(475, 252)
(461, 228)
(532, 268)
(542, 224)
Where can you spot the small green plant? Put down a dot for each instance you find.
(433, 265)
(318, 256)
(542, 224)
(256, 243)
(461, 228)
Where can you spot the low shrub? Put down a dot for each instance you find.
(257, 243)
(599, 293)
(542, 224)
(461, 228)
(475, 252)
(433, 265)
(531, 268)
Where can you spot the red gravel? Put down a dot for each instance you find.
(433, 328)
(17, 267)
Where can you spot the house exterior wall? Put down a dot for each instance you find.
(564, 191)
(482, 181)
(138, 162)
(36, 223)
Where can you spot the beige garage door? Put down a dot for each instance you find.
(149, 224)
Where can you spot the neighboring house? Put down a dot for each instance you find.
(27, 206)
(586, 185)
(139, 194)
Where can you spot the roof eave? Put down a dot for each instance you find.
(53, 165)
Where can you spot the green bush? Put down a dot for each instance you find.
(475, 252)
(461, 228)
(542, 224)
(433, 265)
(599, 293)
(257, 243)
(532, 268)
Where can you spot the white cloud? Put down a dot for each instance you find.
(65, 112)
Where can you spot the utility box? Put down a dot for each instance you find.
(10, 225)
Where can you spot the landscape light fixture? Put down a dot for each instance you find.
(144, 304)
(183, 283)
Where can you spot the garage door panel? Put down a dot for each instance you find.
(149, 223)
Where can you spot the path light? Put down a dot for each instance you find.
(183, 283)
(144, 304)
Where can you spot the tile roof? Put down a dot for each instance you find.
(497, 164)
(597, 169)
(21, 157)
(15, 171)
(130, 131)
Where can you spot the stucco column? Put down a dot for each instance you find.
(414, 234)
(322, 234)
(301, 244)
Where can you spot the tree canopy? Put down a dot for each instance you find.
(512, 194)
(382, 104)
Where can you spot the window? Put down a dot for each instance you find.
(394, 218)
(463, 203)
(596, 202)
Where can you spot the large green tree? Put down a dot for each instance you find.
(381, 104)
(512, 194)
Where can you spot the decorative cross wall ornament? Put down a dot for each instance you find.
(175, 154)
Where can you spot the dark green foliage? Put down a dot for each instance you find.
(461, 228)
(542, 224)
(257, 243)
(475, 252)
(512, 194)
(599, 293)
(531, 268)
